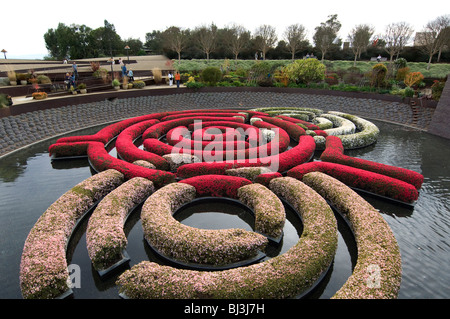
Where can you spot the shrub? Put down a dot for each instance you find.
(378, 76)
(436, 89)
(138, 84)
(43, 79)
(401, 73)
(211, 75)
(157, 75)
(115, 82)
(306, 71)
(82, 86)
(413, 78)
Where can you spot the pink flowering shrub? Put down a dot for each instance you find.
(334, 152)
(105, 237)
(269, 210)
(377, 246)
(284, 276)
(360, 179)
(101, 160)
(43, 267)
(189, 244)
(216, 185)
(129, 152)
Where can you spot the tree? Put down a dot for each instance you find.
(326, 34)
(175, 39)
(154, 42)
(57, 41)
(295, 35)
(396, 37)
(359, 39)
(236, 37)
(434, 37)
(266, 37)
(206, 38)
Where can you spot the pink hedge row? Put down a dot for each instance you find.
(334, 152)
(292, 129)
(215, 114)
(129, 152)
(66, 149)
(217, 185)
(176, 137)
(297, 155)
(108, 133)
(309, 125)
(360, 179)
(158, 130)
(101, 160)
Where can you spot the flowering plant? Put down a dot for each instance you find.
(334, 152)
(43, 268)
(375, 241)
(39, 95)
(105, 237)
(360, 179)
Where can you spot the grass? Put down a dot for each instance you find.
(437, 70)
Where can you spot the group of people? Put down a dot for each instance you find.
(72, 77)
(126, 72)
(177, 78)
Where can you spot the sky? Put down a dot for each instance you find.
(25, 22)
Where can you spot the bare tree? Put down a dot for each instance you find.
(359, 39)
(396, 37)
(206, 37)
(175, 39)
(295, 35)
(326, 34)
(266, 37)
(236, 38)
(434, 37)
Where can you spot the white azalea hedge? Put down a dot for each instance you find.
(43, 268)
(354, 131)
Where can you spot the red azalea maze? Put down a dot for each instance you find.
(210, 143)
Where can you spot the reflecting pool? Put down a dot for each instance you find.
(30, 183)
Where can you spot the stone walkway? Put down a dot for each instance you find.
(19, 131)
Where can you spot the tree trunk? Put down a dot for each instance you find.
(354, 62)
(429, 61)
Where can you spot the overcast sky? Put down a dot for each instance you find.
(25, 22)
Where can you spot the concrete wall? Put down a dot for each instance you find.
(440, 123)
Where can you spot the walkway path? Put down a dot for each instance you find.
(21, 130)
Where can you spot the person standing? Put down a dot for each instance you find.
(178, 79)
(130, 75)
(75, 70)
(124, 70)
(170, 79)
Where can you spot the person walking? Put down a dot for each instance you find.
(130, 75)
(178, 79)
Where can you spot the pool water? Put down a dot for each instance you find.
(30, 183)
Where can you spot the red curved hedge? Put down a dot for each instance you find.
(129, 152)
(360, 179)
(292, 129)
(158, 130)
(101, 160)
(309, 125)
(217, 185)
(334, 152)
(297, 155)
(108, 133)
(175, 137)
(64, 149)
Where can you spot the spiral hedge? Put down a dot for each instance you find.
(259, 157)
